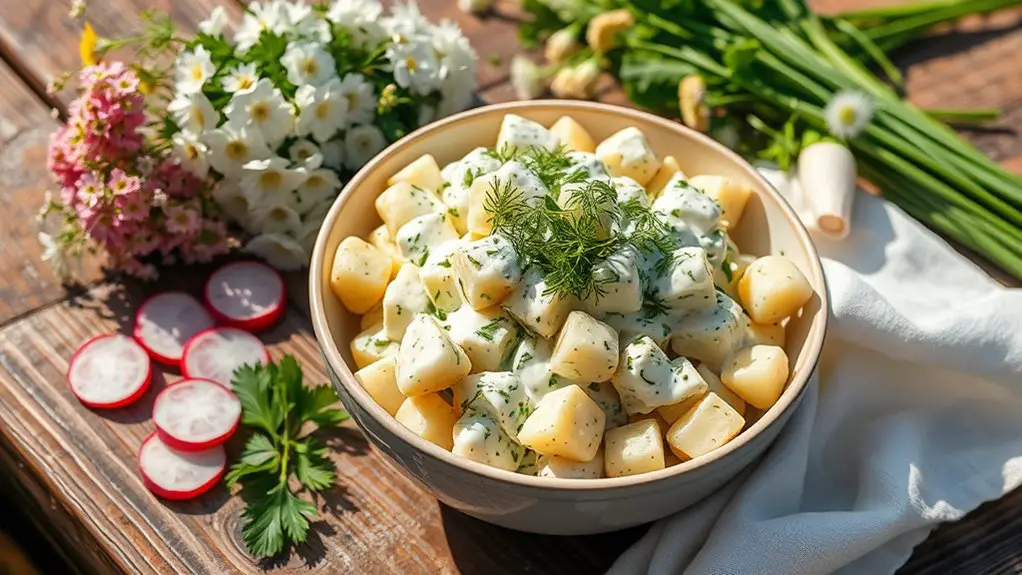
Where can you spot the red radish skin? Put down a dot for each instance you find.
(82, 366)
(189, 403)
(235, 349)
(182, 317)
(246, 295)
(156, 458)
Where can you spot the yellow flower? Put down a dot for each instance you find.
(560, 45)
(87, 47)
(691, 95)
(603, 28)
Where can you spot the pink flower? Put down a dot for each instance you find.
(182, 219)
(122, 184)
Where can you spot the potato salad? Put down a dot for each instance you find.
(562, 308)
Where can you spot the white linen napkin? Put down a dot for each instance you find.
(914, 417)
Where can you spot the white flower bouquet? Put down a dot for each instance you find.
(261, 123)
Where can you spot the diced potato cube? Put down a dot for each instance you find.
(668, 169)
(479, 438)
(687, 283)
(429, 361)
(707, 426)
(731, 196)
(497, 393)
(372, 345)
(458, 179)
(566, 423)
(711, 334)
(512, 177)
(620, 282)
(773, 288)
(671, 413)
(531, 363)
(429, 417)
(634, 448)
(682, 205)
(437, 275)
(757, 374)
(380, 238)
(359, 275)
(604, 394)
(764, 334)
(564, 468)
(404, 298)
(628, 153)
(588, 163)
(486, 336)
(517, 135)
(646, 379)
(372, 317)
(586, 349)
(542, 313)
(632, 325)
(423, 234)
(528, 464)
(422, 173)
(398, 204)
(671, 458)
(715, 385)
(629, 191)
(487, 271)
(379, 379)
(572, 135)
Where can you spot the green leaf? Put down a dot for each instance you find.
(253, 387)
(313, 405)
(651, 80)
(259, 455)
(280, 514)
(312, 467)
(544, 21)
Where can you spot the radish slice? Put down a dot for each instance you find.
(196, 414)
(166, 321)
(214, 354)
(246, 295)
(177, 475)
(109, 371)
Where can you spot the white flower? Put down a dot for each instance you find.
(192, 71)
(427, 114)
(361, 143)
(215, 24)
(278, 250)
(270, 181)
(526, 78)
(415, 66)
(457, 91)
(453, 49)
(405, 23)
(305, 154)
(361, 18)
(54, 253)
(318, 186)
(265, 108)
(241, 79)
(322, 110)
(310, 231)
(191, 153)
(271, 16)
(193, 112)
(475, 6)
(848, 113)
(234, 202)
(360, 97)
(231, 146)
(276, 218)
(308, 23)
(308, 63)
(333, 154)
(77, 9)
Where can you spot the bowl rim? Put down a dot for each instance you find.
(335, 362)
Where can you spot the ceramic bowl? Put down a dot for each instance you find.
(551, 505)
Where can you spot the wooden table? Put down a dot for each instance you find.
(74, 468)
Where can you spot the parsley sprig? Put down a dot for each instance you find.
(277, 406)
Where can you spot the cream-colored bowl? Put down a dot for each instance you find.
(550, 505)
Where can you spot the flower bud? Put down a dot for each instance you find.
(577, 82)
(691, 95)
(388, 98)
(526, 78)
(560, 45)
(475, 6)
(603, 28)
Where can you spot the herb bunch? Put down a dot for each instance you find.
(277, 406)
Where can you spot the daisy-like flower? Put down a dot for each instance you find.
(848, 113)
(276, 218)
(191, 153)
(322, 110)
(193, 112)
(270, 16)
(278, 250)
(406, 23)
(308, 63)
(333, 154)
(231, 146)
(526, 78)
(241, 79)
(308, 23)
(305, 154)
(457, 92)
(234, 202)
(318, 186)
(265, 108)
(361, 143)
(270, 181)
(415, 66)
(182, 219)
(360, 97)
(54, 254)
(310, 231)
(361, 18)
(215, 24)
(453, 49)
(192, 71)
